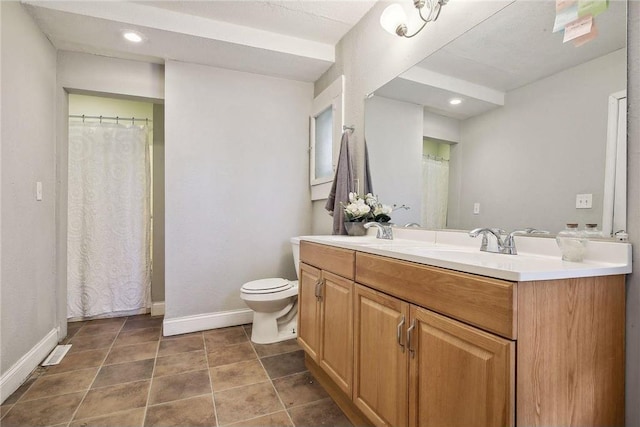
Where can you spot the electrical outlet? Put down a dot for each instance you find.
(476, 208)
(584, 201)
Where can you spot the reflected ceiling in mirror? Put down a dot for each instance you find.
(529, 134)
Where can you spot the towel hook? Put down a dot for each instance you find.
(351, 128)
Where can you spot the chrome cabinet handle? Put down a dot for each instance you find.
(409, 331)
(399, 336)
(318, 292)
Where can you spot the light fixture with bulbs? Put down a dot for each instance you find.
(394, 20)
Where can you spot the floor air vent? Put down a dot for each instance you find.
(56, 355)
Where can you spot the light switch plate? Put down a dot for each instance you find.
(39, 191)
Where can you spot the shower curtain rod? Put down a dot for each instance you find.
(117, 118)
(432, 157)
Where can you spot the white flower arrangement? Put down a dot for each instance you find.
(366, 208)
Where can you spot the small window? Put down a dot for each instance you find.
(325, 131)
(323, 153)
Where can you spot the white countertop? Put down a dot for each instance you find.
(538, 258)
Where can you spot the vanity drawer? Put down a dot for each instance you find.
(336, 260)
(477, 300)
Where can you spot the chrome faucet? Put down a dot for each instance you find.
(384, 231)
(484, 246)
(411, 224)
(508, 246)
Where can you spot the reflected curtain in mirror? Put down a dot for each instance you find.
(435, 190)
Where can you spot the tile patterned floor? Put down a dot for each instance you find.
(122, 372)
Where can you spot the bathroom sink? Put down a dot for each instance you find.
(539, 259)
(358, 240)
(416, 248)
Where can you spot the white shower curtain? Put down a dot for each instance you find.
(435, 190)
(108, 240)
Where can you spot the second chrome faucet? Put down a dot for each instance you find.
(506, 246)
(384, 231)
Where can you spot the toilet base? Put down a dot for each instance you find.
(268, 329)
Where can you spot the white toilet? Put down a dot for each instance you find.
(275, 305)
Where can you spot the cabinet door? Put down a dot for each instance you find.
(381, 363)
(309, 310)
(458, 375)
(336, 332)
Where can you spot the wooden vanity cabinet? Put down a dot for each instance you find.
(380, 388)
(459, 375)
(309, 310)
(325, 319)
(417, 368)
(406, 344)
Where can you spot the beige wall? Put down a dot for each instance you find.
(28, 228)
(237, 189)
(541, 127)
(394, 143)
(157, 275)
(633, 216)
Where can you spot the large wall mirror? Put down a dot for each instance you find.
(528, 139)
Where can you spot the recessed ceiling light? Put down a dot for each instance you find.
(132, 36)
(455, 101)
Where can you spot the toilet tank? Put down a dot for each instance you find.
(295, 247)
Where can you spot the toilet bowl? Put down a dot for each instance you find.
(274, 302)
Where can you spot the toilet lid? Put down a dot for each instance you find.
(264, 286)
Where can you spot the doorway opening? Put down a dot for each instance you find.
(436, 154)
(115, 194)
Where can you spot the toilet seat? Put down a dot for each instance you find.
(266, 286)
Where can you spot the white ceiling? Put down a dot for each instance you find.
(296, 39)
(514, 47)
(291, 39)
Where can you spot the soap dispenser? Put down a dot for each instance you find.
(572, 243)
(591, 231)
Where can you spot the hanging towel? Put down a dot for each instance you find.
(342, 185)
(368, 185)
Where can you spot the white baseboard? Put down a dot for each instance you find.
(157, 308)
(20, 371)
(202, 322)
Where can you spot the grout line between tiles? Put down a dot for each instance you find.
(153, 371)
(28, 388)
(97, 372)
(182, 399)
(94, 417)
(284, 407)
(241, 386)
(255, 418)
(213, 396)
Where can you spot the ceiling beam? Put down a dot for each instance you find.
(162, 19)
